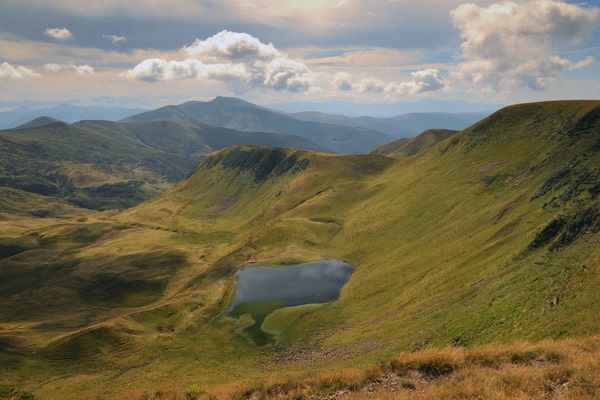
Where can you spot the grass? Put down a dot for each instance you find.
(279, 322)
(91, 164)
(258, 312)
(443, 260)
(565, 369)
(407, 147)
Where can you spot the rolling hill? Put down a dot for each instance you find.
(405, 147)
(489, 237)
(64, 112)
(240, 115)
(103, 164)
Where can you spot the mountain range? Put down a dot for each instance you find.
(101, 164)
(64, 112)
(405, 125)
(320, 127)
(240, 115)
(72, 113)
(387, 110)
(487, 237)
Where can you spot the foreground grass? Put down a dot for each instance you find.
(566, 369)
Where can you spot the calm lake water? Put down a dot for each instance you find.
(308, 283)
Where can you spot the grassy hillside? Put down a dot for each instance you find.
(91, 168)
(16, 204)
(408, 147)
(103, 164)
(489, 237)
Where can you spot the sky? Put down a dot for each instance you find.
(157, 52)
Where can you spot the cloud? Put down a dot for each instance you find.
(83, 70)
(238, 59)
(509, 45)
(156, 69)
(233, 46)
(343, 81)
(115, 39)
(10, 72)
(58, 33)
(371, 85)
(421, 82)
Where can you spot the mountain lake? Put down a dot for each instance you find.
(262, 290)
(308, 283)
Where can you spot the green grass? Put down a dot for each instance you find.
(450, 248)
(258, 312)
(407, 147)
(279, 323)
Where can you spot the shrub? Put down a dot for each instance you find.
(408, 385)
(194, 392)
(524, 357)
(16, 394)
(553, 356)
(436, 367)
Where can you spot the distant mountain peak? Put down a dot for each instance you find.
(40, 121)
(240, 115)
(232, 101)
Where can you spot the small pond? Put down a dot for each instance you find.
(312, 282)
(262, 290)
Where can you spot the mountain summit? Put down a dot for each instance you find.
(238, 114)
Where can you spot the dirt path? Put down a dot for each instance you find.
(85, 329)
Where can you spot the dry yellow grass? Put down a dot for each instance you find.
(565, 369)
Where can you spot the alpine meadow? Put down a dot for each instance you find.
(300, 200)
(476, 274)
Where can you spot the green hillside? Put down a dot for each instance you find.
(103, 164)
(489, 237)
(405, 147)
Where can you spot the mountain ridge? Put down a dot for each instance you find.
(238, 114)
(105, 164)
(386, 110)
(402, 125)
(404, 147)
(65, 112)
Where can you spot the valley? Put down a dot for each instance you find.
(475, 256)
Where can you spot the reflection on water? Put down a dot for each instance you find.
(313, 282)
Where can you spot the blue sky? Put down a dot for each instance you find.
(152, 53)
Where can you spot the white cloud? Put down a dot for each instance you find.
(52, 67)
(233, 46)
(420, 82)
(115, 39)
(83, 70)
(510, 45)
(10, 72)
(424, 81)
(282, 73)
(238, 59)
(370, 85)
(58, 33)
(156, 69)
